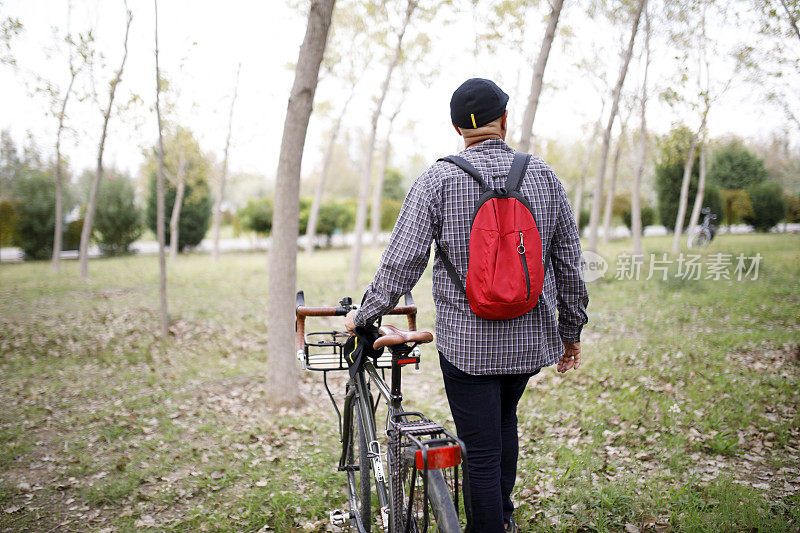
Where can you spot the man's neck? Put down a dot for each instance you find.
(472, 141)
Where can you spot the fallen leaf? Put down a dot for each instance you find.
(12, 509)
(630, 528)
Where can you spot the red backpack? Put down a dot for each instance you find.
(505, 273)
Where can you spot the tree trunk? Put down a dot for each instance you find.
(174, 221)
(313, 216)
(587, 158)
(366, 171)
(538, 76)
(791, 18)
(597, 200)
(58, 234)
(377, 193)
(701, 191)
(224, 176)
(281, 380)
(160, 210)
(636, 205)
(683, 202)
(608, 214)
(684, 198)
(88, 221)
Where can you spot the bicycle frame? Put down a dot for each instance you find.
(358, 393)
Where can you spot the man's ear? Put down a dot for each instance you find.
(504, 122)
(458, 130)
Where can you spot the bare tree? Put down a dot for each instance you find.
(636, 194)
(88, 221)
(701, 191)
(82, 49)
(313, 216)
(179, 181)
(366, 170)
(223, 178)
(608, 212)
(538, 75)
(587, 157)
(791, 18)
(377, 192)
(597, 200)
(687, 176)
(160, 210)
(282, 377)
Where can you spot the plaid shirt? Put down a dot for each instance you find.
(439, 206)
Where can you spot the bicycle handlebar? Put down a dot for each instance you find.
(302, 311)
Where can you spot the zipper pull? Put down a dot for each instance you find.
(521, 247)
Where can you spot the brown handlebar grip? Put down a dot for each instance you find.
(412, 321)
(300, 326)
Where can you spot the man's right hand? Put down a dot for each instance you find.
(571, 358)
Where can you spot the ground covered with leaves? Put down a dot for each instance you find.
(683, 417)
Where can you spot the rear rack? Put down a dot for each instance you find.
(425, 445)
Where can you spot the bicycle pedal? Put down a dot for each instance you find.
(339, 517)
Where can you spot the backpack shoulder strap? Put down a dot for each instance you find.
(517, 172)
(464, 165)
(452, 273)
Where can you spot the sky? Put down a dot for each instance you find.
(203, 41)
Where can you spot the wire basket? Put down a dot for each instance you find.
(324, 351)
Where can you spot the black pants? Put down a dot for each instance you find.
(485, 413)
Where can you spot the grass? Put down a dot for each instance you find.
(683, 417)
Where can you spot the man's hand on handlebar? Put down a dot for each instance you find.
(349, 321)
(571, 358)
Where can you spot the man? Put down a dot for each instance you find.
(485, 364)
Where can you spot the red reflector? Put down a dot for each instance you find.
(407, 361)
(442, 457)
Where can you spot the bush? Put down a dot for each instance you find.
(35, 208)
(736, 205)
(195, 211)
(583, 219)
(648, 217)
(713, 200)
(256, 216)
(118, 221)
(181, 147)
(333, 216)
(72, 234)
(674, 149)
(735, 167)
(8, 223)
(792, 208)
(621, 204)
(768, 206)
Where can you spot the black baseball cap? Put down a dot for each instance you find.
(477, 102)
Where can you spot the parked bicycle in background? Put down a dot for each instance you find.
(704, 233)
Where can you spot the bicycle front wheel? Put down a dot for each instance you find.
(358, 470)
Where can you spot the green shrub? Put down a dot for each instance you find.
(648, 217)
(256, 216)
(713, 200)
(195, 211)
(72, 234)
(736, 205)
(8, 223)
(768, 206)
(583, 219)
(792, 208)
(118, 221)
(181, 148)
(673, 151)
(334, 216)
(735, 167)
(35, 208)
(621, 204)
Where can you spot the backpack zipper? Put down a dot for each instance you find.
(521, 251)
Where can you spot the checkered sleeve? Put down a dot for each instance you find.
(566, 259)
(406, 255)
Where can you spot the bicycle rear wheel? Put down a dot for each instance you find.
(358, 471)
(409, 505)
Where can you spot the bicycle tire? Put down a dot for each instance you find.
(444, 516)
(358, 481)
(442, 503)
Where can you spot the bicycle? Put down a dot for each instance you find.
(426, 464)
(706, 232)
